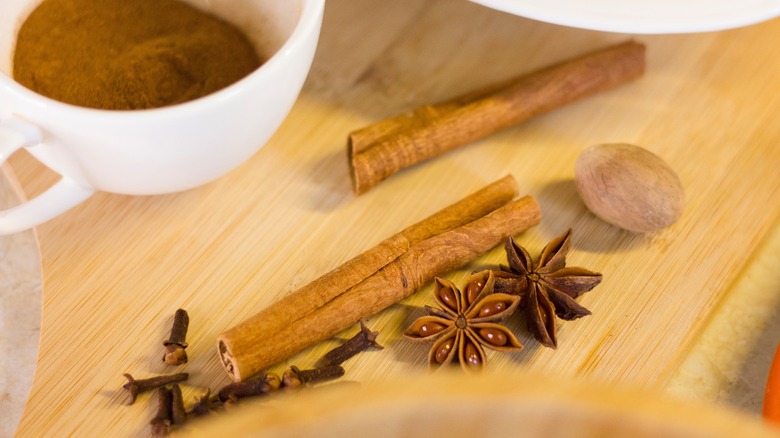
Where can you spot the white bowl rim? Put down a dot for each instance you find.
(690, 20)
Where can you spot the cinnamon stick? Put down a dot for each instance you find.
(380, 150)
(255, 344)
(314, 295)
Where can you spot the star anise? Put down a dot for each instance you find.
(548, 287)
(467, 321)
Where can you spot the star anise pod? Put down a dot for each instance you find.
(467, 321)
(548, 287)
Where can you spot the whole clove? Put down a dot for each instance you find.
(161, 423)
(176, 345)
(178, 413)
(295, 377)
(205, 405)
(251, 388)
(362, 341)
(136, 387)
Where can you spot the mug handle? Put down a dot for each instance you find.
(65, 194)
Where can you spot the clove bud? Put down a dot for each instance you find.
(362, 341)
(175, 346)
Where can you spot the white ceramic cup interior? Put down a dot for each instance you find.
(163, 150)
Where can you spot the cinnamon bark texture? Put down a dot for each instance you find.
(283, 330)
(380, 150)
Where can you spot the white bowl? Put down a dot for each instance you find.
(161, 150)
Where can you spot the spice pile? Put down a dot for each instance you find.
(128, 54)
(468, 319)
(171, 410)
(378, 278)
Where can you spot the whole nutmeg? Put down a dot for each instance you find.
(629, 187)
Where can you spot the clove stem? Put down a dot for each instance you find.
(363, 340)
(295, 377)
(178, 414)
(249, 388)
(161, 423)
(136, 387)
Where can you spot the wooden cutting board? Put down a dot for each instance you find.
(116, 268)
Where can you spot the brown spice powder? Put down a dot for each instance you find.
(128, 54)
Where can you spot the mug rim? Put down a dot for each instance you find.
(307, 24)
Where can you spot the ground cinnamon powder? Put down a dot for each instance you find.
(128, 54)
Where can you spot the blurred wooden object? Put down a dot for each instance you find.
(493, 405)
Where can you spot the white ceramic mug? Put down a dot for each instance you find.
(161, 150)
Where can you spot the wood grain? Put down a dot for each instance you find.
(116, 268)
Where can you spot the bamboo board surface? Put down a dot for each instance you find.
(116, 268)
